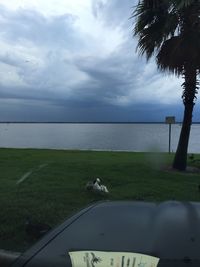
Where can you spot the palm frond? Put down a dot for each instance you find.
(154, 25)
(180, 4)
(169, 57)
(176, 52)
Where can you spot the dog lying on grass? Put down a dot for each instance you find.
(96, 187)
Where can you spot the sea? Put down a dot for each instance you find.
(139, 137)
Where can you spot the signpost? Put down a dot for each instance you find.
(170, 121)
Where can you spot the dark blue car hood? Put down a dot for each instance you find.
(168, 230)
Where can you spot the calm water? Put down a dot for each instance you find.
(131, 137)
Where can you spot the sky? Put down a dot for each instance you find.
(76, 61)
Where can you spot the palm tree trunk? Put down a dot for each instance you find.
(180, 160)
(190, 85)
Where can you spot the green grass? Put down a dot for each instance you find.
(54, 192)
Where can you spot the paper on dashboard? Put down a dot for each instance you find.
(111, 259)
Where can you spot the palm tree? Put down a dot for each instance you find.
(170, 30)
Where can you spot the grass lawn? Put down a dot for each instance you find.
(55, 190)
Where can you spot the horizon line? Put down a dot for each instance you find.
(99, 122)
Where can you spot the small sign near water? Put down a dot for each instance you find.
(170, 120)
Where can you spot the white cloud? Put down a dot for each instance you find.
(80, 50)
(159, 89)
(44, 49)
(8, 76)
(49, 7)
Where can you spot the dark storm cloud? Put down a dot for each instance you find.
(73, 112)
(59, 71)
(120, 80)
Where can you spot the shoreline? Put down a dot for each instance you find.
(61, 122)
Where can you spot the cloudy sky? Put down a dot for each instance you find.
(64, 60)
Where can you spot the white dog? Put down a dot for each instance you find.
(96, 186)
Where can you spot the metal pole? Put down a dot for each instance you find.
(170, 137)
